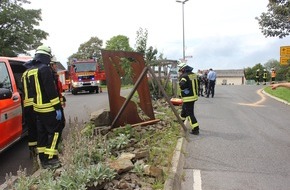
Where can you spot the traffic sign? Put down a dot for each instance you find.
(284, 60)
(285, 51)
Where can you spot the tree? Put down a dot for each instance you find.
(276, 22)
(282, 72)
(17, 28)
(141, 46)
(141, 40)
(272, 63)
(119, 42)
(250, 73)
(88, 50)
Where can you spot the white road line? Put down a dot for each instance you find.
(197, 180)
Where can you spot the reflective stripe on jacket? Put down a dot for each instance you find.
(189, 87)
(41, 82)
(265, 75)
(28, 98)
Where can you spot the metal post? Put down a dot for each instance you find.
(183, 36)
(183, 50)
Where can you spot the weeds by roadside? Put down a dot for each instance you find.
(86, 154)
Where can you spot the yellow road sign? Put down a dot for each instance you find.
(285, 51)
(284, 60)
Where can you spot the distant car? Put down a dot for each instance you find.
(173, 74)
(224, 82)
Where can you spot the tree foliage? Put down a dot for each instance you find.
(17, 28)
(141, 46)
(276, 22)
(88, 50)
(141, 40)
(119, 42)
(282, 71)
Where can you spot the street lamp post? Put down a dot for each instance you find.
(183, 2)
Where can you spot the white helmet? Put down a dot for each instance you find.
(181, 65)
(53, 59)
(43, 50)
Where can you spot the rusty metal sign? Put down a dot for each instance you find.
(123, 110)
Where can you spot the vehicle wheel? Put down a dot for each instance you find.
(74, 92)
(97, 90)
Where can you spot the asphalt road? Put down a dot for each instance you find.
(244, 142)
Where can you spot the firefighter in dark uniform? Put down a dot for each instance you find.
(29, 115)
(265, 76)
(53, 65)
(258, 76)
(47, 107)
(189, 93)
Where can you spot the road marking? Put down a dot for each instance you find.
(196, 180)
(258, 103)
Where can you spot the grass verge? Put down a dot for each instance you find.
(281, 92)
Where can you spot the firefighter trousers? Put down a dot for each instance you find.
(188, 112)
(30, 122)
(48, 135)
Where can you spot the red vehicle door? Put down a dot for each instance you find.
(10, 107)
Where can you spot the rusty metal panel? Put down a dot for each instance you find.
(114, 72)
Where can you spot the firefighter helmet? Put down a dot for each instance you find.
(53, 59)
(43, 50)
(181, 65)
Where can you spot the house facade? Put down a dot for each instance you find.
(230, 77)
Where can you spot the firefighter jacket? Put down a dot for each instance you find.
(273, 74)
(257, 74)
(43, 88)
(59, 87)
(188, 84)
(27, 98)
(265, 74)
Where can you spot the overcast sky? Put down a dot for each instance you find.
(218, 34)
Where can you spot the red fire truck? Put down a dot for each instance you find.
(85, 75)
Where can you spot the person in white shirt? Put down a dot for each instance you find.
(211, 76)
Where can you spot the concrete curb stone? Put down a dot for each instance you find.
(278, 99)
(175, 175)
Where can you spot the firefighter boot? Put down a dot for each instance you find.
(51, 164)
(33, 152)
(195, 131)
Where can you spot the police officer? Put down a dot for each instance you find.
(211, 76)
(189, 93)
(47, 107)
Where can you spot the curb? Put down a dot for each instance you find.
(12, 180)
(175, 175)
(278, 99)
